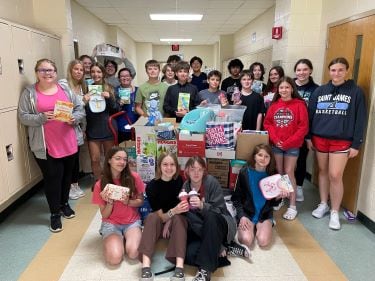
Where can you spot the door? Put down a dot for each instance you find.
(354, 40)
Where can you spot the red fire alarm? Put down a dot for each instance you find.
(175, 47)
(277, 32)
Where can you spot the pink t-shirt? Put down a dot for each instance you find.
(60, 137)
(121, 213)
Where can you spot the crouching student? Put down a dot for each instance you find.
(210, 226)
(166, 220)
(254, 212)
(121, 224)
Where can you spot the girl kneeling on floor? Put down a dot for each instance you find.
(120, 219)
(166, 221)
(254, 212)
(287, 123)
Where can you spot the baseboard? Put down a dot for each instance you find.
(366, 221)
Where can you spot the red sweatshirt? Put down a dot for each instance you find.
(287, 121)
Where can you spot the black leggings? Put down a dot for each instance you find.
(57, 176)
(300, 172)
(75, 169)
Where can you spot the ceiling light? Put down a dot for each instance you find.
(174, 17)
(175, 39)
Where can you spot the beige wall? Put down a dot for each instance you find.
(87, 29)
(205, 52)
(20, 11)
(262, 26)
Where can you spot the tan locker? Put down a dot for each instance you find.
(13, 152)
(23, 58)
(6, 68)
(55, 49)
(4, 185)
(40, 46)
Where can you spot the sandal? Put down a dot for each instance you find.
(146, 274)
(290, 214)
(178, 275)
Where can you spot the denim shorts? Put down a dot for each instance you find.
(290, 152)
(108, 228)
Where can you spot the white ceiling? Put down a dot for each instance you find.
(220, 17)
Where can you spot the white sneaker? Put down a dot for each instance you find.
(299, 194)
(278, 207)
(320, 211)
(334, 221)
(73, 195)
(80, 192)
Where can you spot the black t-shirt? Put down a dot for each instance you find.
(254, 105)
(228, 86)
(163, 194)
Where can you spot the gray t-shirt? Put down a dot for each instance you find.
(211, 97)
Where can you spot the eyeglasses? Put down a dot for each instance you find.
(46, 71)
(125, 76)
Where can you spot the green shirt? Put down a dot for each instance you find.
(147, 92)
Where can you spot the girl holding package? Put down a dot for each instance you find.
(98, 109)
(254, 212)
(166, 220)
(121, 224)
(287, 124)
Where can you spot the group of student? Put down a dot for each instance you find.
(298, 115)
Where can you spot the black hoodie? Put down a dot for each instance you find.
(338, 112)
(305, 91)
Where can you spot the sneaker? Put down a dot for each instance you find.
(73, 195)
(79, 190)
(56, 225)
(320, 211)
(299, 194)
(202, 275)
(238, 250)
(334, 221)
(67, 212)
(278, 207)
(146, 274)
(178, 275)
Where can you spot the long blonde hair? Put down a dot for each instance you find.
(71, 81)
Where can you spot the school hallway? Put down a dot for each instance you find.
(304, 249)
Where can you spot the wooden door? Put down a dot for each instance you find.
(354, 40)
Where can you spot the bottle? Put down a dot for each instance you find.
(236, 96)
(223, 99)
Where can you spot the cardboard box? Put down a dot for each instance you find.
(235, 167)
(191, 145)
(166, 146)
(131, 152)
(221, 154)
(146, 167)
(145, 138)
(219, 168)
(247, 141)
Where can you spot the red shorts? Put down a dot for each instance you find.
(330, 146)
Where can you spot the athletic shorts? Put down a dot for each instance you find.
(330, 146)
